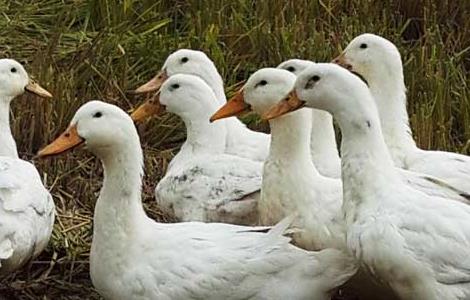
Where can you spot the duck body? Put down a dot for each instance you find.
(27, 210)
(27, 214)
(212, 188)
(133, 257)
(210, 261)
(203, 182)
(413, 242)
(453, 168)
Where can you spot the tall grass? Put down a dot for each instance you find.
(100, 49)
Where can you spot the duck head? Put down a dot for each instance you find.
(263, 89)
(14, 81)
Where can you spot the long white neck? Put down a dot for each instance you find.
(391, 103)
(7, 142)
(290, 139)
(119, 211)
(214, 80)
(367, 166)
(202, 137)
(323, 140)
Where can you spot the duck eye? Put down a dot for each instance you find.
(311, 82)
(175, 86)
(184, 59)
(97, 114)
(363, 46)
(291, 69)
(13, 70)
(262, 83)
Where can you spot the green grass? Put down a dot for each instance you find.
(99, 49)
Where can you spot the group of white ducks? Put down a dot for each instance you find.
(386, 218)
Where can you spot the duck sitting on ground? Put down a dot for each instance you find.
(202, 182)
(132, 256)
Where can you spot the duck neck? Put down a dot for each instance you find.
(119, 210)
(290, 139)
(7, 142)
(214, 80)
(391, 103)
(323, 140)
(203, 137)
(366, 164)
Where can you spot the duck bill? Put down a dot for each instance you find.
(291, 103)
(154, 84)
(147, 109)
(65, 142)
(35, 88)
(342, 61)
(234, 107)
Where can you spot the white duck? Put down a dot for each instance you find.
(378, 61)
(26, 207)
(417, 244)
(202, 182)
(323, 146)
(326, 159)
(134, 257)
(291, 183)
(241, 141)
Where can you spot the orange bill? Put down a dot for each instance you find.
(342, 61)
(35, 88)
(154, 84)
(147, 109)
(291, 103)
(66, 141)
(234, 107)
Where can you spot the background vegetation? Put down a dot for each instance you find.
(99, 49)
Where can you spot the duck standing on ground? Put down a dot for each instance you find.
(378, 61)
(134, 257)
(417, 244)
(26, 207)
(203, 183)
(240, 140)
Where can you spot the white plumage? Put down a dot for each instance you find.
(26, 207)
(323, 148)
(133, 257)
(202, 182)
(326, 158)
(291, 183)
(379, 62)
(416, 243)
(240, 140)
